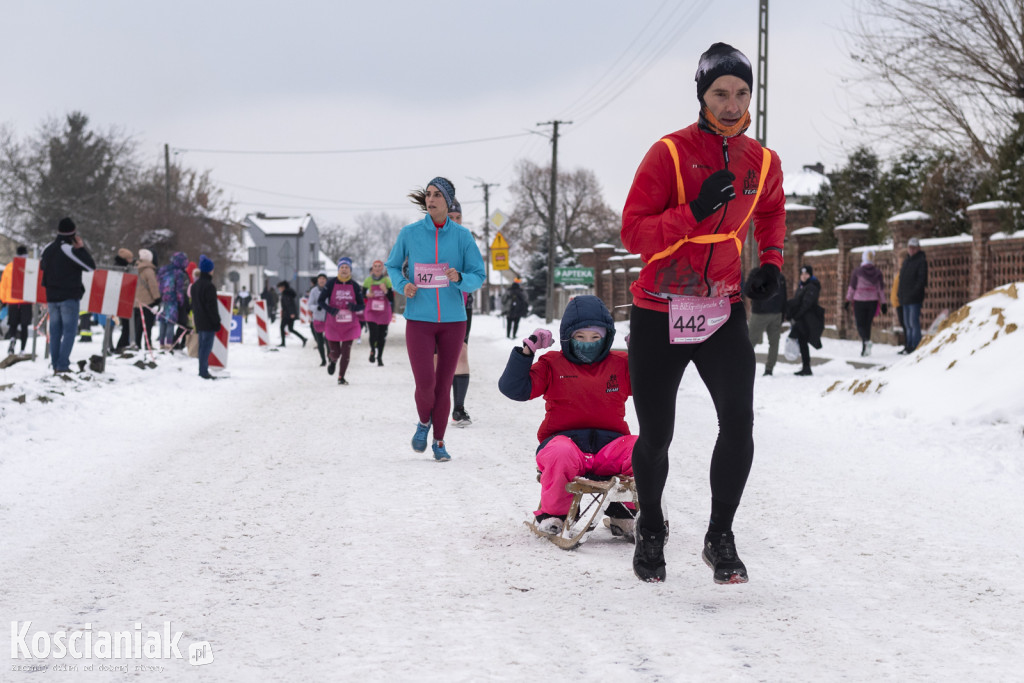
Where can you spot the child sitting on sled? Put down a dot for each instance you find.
(585, 386)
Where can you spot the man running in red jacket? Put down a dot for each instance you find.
(687, 215)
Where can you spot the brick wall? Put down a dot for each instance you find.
(959, 268)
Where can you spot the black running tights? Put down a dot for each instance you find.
(725, 363)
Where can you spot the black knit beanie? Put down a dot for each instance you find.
(722, 59)
(66, 227)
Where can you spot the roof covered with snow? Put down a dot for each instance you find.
(279, 225)
(803, 183)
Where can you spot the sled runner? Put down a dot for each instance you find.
(590, 499)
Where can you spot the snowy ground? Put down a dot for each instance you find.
(286, 521)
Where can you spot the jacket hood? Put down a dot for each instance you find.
(585, 311)
(179, 260)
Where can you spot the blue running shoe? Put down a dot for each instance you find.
(419, 439)
(440, 454)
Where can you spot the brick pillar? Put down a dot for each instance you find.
(903, 227)
(986, 220)
(804, 240)
(848, 237)
(621, 295)
(602, 288)
(798, 217)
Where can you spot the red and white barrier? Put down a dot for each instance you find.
(262, 323)
(219, 354)
(107, 292)
(304, 310)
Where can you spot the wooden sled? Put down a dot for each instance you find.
(590, 499)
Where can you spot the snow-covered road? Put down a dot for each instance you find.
(286, 521)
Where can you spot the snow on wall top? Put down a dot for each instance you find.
(998, 204)
(909, 216)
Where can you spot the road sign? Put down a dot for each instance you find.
(575, 275)
(499, 242)
(499, 259)
(498, 219)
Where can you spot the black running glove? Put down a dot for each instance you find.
(716, 190)
(763, 282)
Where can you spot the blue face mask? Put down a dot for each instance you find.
(587, 351)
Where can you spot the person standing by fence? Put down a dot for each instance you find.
(913, 282)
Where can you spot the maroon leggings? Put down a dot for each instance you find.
(434, 387)
(338, 352)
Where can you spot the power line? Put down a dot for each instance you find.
(299, 196)
(618, 59)
(364, 150)
(630, 73)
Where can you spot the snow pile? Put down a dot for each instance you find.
(969, 371)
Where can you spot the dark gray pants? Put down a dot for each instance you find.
(771, 323)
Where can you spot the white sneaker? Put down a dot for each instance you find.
(867, 348)
(551, 526)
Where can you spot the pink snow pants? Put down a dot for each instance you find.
(561, 461)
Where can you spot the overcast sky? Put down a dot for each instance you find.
(323, 76)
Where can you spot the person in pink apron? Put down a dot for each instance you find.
(342, 298)
(687, 215)
(377, 312)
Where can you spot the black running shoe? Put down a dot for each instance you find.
(330, 368)
(720, 554)
(461, 418)
(649, 554)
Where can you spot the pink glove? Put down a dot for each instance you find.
(540, 339)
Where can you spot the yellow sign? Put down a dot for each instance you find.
(499, 242)
(499, 259)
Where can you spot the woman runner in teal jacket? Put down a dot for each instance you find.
(432, 263)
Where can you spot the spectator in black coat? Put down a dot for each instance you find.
(807, 316)
(205, 313)
(63, 262)
(289, 311)
(516, 307)
(269, 295)
(913, 282)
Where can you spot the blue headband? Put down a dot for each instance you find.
(446, 188)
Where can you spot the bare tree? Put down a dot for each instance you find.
(371, 238)
(582, 216)
(942, 73)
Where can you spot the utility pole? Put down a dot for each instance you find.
(298, 243)
(761, 115)
(167, 185)
(485, 305)
(761, 127)
(552, 210)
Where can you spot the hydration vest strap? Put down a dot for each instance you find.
(766, 159)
